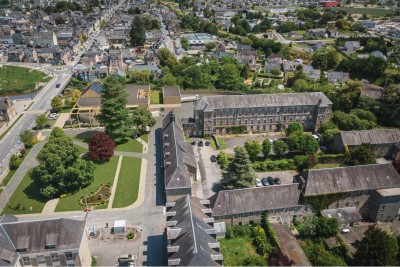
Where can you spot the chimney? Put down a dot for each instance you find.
(172, 116)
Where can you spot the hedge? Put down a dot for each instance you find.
(276, 165)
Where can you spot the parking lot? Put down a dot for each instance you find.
(286, 177)
(106, 248)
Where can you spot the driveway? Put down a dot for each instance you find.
(285, 176)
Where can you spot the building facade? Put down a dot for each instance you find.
(259, 113)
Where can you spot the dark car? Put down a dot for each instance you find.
(200, 143)
(213, 158)
(277, 180)
(264, 181)
(57, 85)
(270, 180)
(207, 143)
(193, 143)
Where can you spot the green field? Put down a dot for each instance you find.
(18, 79)
(145, 138)
(377, 12)
(235, 250)
(104, 173)
(128, 182)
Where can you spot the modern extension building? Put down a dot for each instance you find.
(260, 112)
(53, 242)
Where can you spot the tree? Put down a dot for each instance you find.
(376, 248)
(26, 138)
(56, 104)
(76, 93)
(138, 32)
(185, 43)
(307, 144)
(319, 226)
(101, 147)
(210, 46)
(350, 122)
(253, 148)
(155, 24)
(293, 127)
(166, 58)
(254, 261)
(60, 169)
(40, 121)
(390, 100)
(15, 161)
(279, 148)
(320, 61)
(142, 119)
(245, 72)
(229, 78)
(346, 97)
(266, 147)
(168, 79)
(239, 173)
(138, 76)
(114, 113)
(276, 72)
(361, 155)
(59, 20)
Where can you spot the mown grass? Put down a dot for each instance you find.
(156, 97)
(235, 250)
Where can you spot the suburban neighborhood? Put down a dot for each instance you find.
(199, 133)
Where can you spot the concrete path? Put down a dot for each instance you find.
(144, 144)
(50, 206)
(114, 187)
(61, 120)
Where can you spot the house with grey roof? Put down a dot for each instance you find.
(191, 234)
(260, 113)
(337, 77)
(180, 166)
(382, 141)
(352, 186)
(351, 46)
(52, 242)
(385, 205)
(249, 204)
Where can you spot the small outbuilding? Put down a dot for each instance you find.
(171, 95)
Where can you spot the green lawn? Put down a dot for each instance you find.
(235, 250)
(18, 79)
(156, 97)
(221, 142)
(368, 11)
(26, 195)
(131, 145)
(145, 138)
(103, 174)
(128, 182)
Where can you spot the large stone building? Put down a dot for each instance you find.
(53, 242)
(260, 112)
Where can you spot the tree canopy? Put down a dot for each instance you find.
(138, 32)
(101, 147)
(253, 148)
(142, 119)
(361, 155)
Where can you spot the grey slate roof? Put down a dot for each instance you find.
(171, 91)
(373, 137)
(177, 154)
(354, 178)
(261, 100)
(343, 215)
(255, 199)
(189, 237)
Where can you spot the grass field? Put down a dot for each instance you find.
(128, 182)
(103, 174)
(369, 11)
(156, 97)
(235, 250)
(131, 145)
(18, 79)
(145, 138)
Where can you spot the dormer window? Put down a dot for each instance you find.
(51, 241)
(22, 244)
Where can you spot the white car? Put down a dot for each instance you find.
(258, 182)
(345, 230)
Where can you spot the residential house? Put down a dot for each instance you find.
(241, 206)
(260, 112)
(378, 54)
(345, 216)
(353, 186)
(367, 23)
(290, 66)
(311, 73)
(352, 46)
(318, 32)
(295, 35)
(333, 33)
(373, 91)
(51, 242)
(180, 166)
(44, 39)
(381, 141)
(337, 77)
(191, 234)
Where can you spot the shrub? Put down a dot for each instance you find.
(130, 235)
(15, 162)
(238, 231)
(276, 165)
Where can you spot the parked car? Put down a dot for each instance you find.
(213, 158)
(270, 180)
(277, 180)
(258, 182)
(200, 143)
(345, 230)
(53, 116)
(193, 143)
(126, 258)
(57, 85)
(207, 143)
(264, 181)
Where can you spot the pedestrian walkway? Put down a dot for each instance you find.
(144, 144)
(114, 187)
(61, 120)
(50, 206)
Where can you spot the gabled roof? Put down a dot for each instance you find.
(373, 137)
(262, 100)
(189, 234)
(178, 154)
(255, 199)
(343, 215)
(348, 179)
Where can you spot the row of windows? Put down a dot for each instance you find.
(261, 120)
(264, 110)
(41, 258)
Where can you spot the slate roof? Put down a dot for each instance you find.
(177, 154)
(255, 199)
(343, 215)
(189, 234)
(373, 137)
(33, 236)
(353, 178)
(171, 91)
(262, 100)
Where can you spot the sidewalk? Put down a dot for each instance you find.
(115, 183)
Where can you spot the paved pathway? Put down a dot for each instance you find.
(50, 206)
(61, 120)
(114, 187)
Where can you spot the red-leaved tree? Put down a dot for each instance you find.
(101, 147)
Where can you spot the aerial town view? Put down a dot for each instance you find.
(199, 133)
